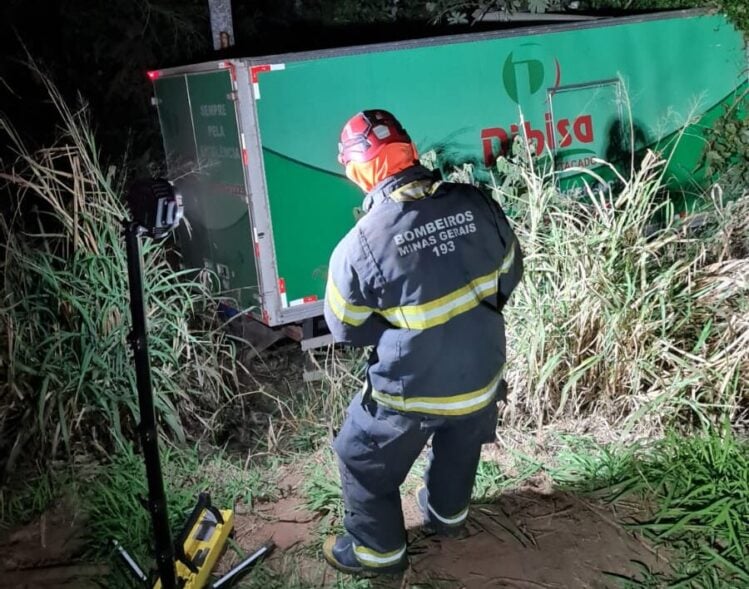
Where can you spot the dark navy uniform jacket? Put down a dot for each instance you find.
(423, 276)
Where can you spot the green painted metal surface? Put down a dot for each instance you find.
(311, 211)
(578, 90)
(580, 93)
(179, 146)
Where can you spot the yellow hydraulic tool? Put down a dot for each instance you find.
(202, 542)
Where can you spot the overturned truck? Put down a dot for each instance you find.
(251, 143)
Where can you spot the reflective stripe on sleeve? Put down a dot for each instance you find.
(372, 558)
(345, 312)
(456, 405)
(508, 260)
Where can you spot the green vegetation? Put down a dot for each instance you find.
(469, 12)
(626, 312)
(737, 10)
(111, 497)
(697, 489)
(726, 153)
(26, 498)
(490, 481)
(459, 11)
(64, 314)
(322, 485)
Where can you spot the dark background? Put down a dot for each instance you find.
(97, 52)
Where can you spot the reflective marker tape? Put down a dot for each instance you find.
(303, 301)
(258, 69)
(373, 558)
(449, 521)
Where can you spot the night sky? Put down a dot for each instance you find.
(100, 51)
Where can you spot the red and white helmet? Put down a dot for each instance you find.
(366, 133)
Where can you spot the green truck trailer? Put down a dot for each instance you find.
(251, 143)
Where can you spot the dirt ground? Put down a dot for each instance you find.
(529, 538)
(532, 537)
(46, 553)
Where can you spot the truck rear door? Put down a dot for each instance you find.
(198, 117)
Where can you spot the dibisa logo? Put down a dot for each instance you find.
(534, 71)
(525, 80)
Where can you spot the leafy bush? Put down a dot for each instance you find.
(726, 153)
(460, 11)
(625, 311)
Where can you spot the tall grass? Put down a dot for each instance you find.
(624, 310)
(67, 375)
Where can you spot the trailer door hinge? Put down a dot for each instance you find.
(233, 96)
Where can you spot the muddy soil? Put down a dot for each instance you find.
(47, 553)
(529, 538)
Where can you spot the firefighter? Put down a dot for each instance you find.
(422, 277)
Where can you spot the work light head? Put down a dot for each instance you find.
(154, 206)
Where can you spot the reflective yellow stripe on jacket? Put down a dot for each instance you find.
(443, 309)
(456, 405)
(426, 315)
(451, 305)
(345, 311)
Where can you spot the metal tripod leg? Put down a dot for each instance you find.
(131, 564)
(234, 574)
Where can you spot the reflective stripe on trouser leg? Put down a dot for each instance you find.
(456, 448)
(372, 558)
(455, 520)
(375, 454)
(374, 520)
